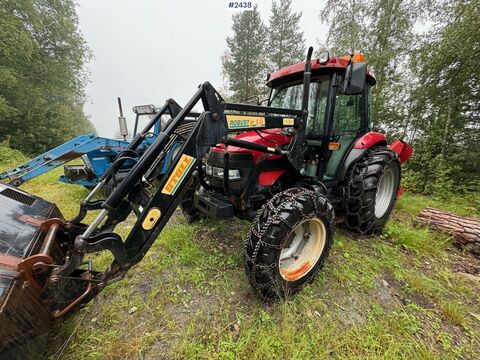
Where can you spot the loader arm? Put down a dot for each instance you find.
(95, 151)
(154, 199)
(54, 266)
(60, 155)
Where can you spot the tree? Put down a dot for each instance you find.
(244, 62)
(286, 44)
(42, 77)
(347, 20)
(383, 30)
(446, 129)
(428, 84)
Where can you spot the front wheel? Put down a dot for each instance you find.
(288, 242)
(191, 213)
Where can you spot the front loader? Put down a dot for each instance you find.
(294, 167)
(97, 153)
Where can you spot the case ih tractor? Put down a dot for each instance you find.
(294, 167)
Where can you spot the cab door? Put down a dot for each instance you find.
(349, 122)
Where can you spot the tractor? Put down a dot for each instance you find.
(295, 168)
(97, 153)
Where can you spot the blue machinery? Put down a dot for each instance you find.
(98, 155)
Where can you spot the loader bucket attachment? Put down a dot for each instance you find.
(24, 245)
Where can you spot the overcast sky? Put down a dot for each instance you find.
(146, 51)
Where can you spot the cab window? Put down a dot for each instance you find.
(291, 97)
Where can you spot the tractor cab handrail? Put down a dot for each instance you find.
(262, 109)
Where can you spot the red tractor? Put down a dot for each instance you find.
(294, 167)
(339, 165)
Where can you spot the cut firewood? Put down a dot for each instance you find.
(465, 230)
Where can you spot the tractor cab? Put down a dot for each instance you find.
(336, 118)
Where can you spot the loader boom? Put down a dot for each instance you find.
(154, 212)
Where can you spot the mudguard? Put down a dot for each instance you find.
(403, 150)
(368, 140)
(359, 148)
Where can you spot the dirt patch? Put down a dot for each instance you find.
(387, 292)
(227, 236)
(465, 263)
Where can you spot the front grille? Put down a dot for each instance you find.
(18, 196)
(240, 161)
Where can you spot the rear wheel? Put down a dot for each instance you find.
(288, 242)
(372, 186)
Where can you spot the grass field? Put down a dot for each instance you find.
(405, 294)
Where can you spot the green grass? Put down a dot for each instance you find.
(412, 204)
(398, 295)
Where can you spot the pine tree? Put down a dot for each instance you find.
(244, 63)
(286, 44)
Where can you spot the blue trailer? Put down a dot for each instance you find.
(97, 153)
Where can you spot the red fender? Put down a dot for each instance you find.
(403, 150)
(268, 178)
(370, 139)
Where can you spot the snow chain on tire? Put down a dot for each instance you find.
(272, 228)
(362, 183)
(191, 213)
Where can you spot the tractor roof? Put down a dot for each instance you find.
(295, 72)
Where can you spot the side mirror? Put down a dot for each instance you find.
(355, 78)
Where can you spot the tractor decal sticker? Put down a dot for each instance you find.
(151, 218)
(288, 121)
(181, 170)
(245, 121)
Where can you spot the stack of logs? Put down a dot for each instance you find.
(464, 230)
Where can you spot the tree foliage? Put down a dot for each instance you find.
(427, 83)
(446, 126)
(245, 61)
(383, 30)
(286, 44)
(42, 78)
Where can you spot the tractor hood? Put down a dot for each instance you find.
(270, 137)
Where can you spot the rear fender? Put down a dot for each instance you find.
(360, 147)
(370, 139)
(403, 150)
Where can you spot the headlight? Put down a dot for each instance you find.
(208, 169)
(218, 172)
(234, 174)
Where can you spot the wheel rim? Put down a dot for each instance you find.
(383, 198)
(303, 249)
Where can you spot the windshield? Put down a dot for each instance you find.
(291, 97)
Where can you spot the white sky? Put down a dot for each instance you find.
(146, 51)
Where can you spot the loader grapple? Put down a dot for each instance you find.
(24, 317)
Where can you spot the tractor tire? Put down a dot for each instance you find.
(191, 213)
(288, 242)
(371, 189)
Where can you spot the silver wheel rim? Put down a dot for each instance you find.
(383, 198)
(303, 249)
